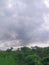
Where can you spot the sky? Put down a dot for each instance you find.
(24, 23)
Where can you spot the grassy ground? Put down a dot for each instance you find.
(7, 60)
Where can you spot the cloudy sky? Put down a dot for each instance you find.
(24, 22)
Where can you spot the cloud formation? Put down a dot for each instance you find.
(23, 22)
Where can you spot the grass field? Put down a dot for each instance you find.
(7, 60)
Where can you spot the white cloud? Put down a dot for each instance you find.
(46, 3)
(46, 22)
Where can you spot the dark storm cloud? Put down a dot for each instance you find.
(22, 20)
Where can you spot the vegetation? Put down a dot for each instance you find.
(25, 56)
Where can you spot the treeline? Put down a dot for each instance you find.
(25, 56)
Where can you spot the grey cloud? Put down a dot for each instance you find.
(27, 23)
(22, 32)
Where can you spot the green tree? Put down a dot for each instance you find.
(33, 60)
(46, 60)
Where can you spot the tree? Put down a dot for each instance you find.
(9, 50)
(46, 60)
(33, 60)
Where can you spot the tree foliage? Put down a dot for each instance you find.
(25, 56)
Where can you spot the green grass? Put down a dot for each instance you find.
(7, 60)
